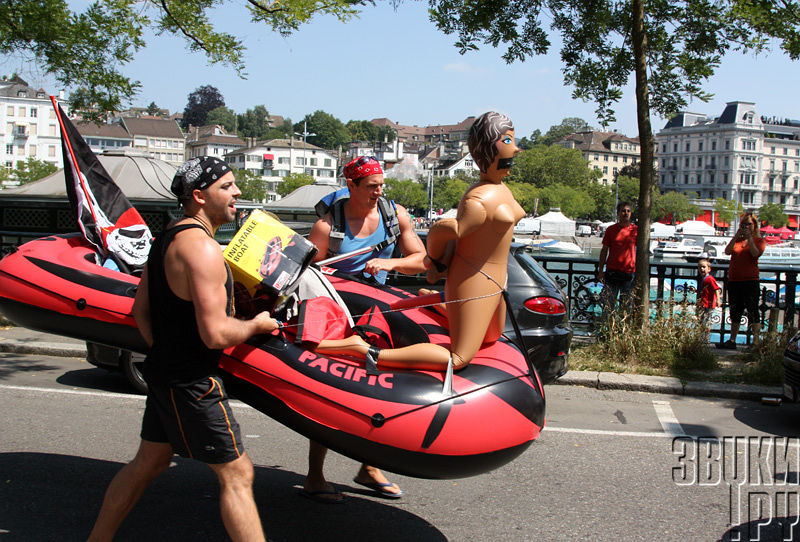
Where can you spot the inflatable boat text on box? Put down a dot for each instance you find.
(266, 257)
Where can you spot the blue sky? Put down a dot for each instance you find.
(395, 64)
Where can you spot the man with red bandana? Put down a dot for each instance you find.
(363, 224)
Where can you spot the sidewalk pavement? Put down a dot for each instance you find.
(26, 341)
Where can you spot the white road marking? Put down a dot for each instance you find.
(238, 404)
(666, 417)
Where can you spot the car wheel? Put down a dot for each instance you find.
(131, 364)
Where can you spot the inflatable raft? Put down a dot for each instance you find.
(401, 420)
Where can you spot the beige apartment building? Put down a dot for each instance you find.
(607, 152)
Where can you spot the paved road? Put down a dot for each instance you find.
(611, 465)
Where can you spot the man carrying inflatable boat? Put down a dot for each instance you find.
(401, 409)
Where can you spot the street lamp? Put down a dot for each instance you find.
(304, 135)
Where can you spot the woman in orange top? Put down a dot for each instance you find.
(743, 278)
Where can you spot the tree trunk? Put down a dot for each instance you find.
(642, 281)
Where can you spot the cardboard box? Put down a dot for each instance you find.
(266, 257)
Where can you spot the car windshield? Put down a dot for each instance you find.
(528, 263)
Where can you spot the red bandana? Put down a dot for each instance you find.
(362, 167)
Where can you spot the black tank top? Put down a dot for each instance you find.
(178, 354)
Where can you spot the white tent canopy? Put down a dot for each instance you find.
(695, 227)
(657, 229)
(555, 223)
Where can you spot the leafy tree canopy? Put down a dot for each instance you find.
(223, 116)
(726, 210)
(573, 202)
(603, 196)
(675, 204)
(254, 123)
(526, 195)
(364, 130)
(292, 182)
(329, 132)
(447, 192)
(200, 103)
(87, 49)
(31, 170)
(569, 125)
(528, 142)
(772, 214)
(153, 109)
(252, 185)
(410, 194)
(543, 166)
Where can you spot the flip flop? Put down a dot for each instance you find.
(324, 496)
(381, 488)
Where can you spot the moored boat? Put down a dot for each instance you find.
(401, 420)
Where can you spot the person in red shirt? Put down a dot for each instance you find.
(708, 293)
(617, 259)
(743, 279)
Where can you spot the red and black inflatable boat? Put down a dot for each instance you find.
(398, 420)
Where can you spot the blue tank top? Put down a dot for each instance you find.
(356, 263)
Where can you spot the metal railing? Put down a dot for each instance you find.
(673, 284)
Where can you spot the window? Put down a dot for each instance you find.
(33, 129)
(21, 150)
(615, 171)
(688, 146)
(711, 178)
(727, 144)
(31, 150)
(51, 150)
(605, 170)
(10, 111)
(674, 147)
(686, 162)
(699, 161)
(616, 158)
(9, 165)
(597, 157)
(34, 115)
(727, 161)
(605, 158)
(772, 150)
(699, 145)
(685, 179)
(664, 147)
(283, 159)
(785, 151)
(298, 161)
(51, 130)
(714, 145)
(309, 171)
(312, 161)
(724, 179)
(9, 149)
(327, 162)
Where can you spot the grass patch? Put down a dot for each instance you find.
(673, 344)
(764, 359)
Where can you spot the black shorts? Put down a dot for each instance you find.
(743, 295)
(195, 419)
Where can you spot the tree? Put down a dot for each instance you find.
(252, 185)
(447, 192)
(773, 215)
(32, 170)
(676, 205)
(543, 166)
(364, 130)
(528, 142)
(153, 110)
(670, 49)
(254, 122)
(223, 116)
(726, 210)
(603, 197)
(200, 103)
(573, 202)
(329, 132)
(410, 194)
(292, 182)
(89, 48)
(569, 125)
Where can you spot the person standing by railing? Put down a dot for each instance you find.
(743, 277)
(617, 261)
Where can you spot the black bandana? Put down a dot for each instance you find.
(197, 174)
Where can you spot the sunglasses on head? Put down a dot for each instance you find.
(364, 159)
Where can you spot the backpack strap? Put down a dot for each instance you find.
(388, 212)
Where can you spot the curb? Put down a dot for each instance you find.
(587, 379)
(666, 384)
(43, 348)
